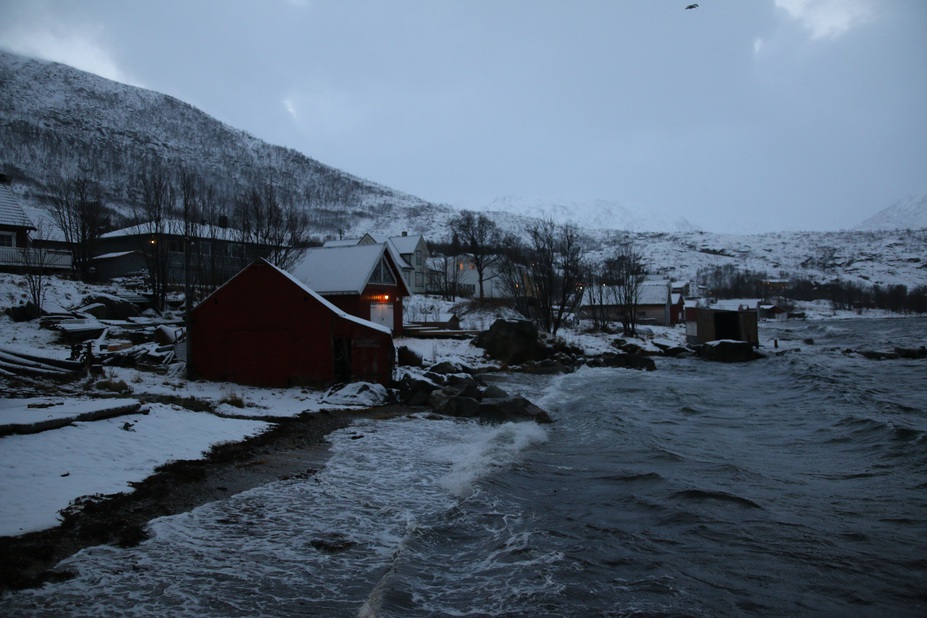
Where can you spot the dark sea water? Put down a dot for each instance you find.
(795, 485)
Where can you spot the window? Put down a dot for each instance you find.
(418, 257)
(382, 273)
(419, 279)
(6, 239)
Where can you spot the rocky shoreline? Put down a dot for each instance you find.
(295, 447)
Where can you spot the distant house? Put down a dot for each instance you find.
(765, 310)
(677, 308)
(118, 264)
(655, 304)
(410, 253)
(362, 280)
(17, 231)
(264, 327)
(216, 252)
(458, 276)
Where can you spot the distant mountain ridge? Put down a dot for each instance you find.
(597, 214)
(55, 119)
(909, 213)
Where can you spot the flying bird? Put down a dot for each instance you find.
(692, 6)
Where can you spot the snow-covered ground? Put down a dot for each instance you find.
(42, 473)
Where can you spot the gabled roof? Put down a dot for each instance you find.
(653, 293)
(344, 270)
(305, 288)
(649, 293)
(379, 239)
(406, 244)
(11, 213)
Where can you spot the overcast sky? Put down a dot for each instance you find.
(787, 114)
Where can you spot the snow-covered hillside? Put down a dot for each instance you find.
(597, 214)
(909, 213)
(56, 120)
(868, 258)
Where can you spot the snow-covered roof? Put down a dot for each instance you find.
(331, 307)
(11, 213)
(342, 270)
(175, 227)
(406, 244)
(736, 304)
(653, 293)
(116, 254)
(42, 220)
(395, 253)
(348, 242)
(302, 285)
(650, 293)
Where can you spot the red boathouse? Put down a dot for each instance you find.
(266, 328)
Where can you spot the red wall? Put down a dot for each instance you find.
(263, 329)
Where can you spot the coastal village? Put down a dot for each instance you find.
(462, 309)
(96, 392)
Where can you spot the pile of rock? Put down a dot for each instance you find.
(906, 353)
(518, 342)
(453, 390)
(728, 351)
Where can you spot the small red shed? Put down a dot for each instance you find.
(362, 280)
(266, 328)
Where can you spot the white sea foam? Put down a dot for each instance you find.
(484, 449)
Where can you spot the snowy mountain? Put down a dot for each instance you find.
(57, 120)
(909, 213)
(594, 214)
(881, 258)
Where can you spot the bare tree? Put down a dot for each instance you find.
(572, 271)
(541, 269)
(76, 206)
(556, 270)
(447, 278)
(479, 236)
(271, 228)
(514, 273)
(154, 212)
(36, 259)
(626, 268)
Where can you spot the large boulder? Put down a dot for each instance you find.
(511, 409)
(728, 351)
(512, 342)
(491, 404)
(24, 313)
(920, 352)
(624, 360)
(415, 391)
(108, 307)
(876, 355)
(464, 407)
(408, 357)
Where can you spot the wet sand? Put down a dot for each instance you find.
(293, 448)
